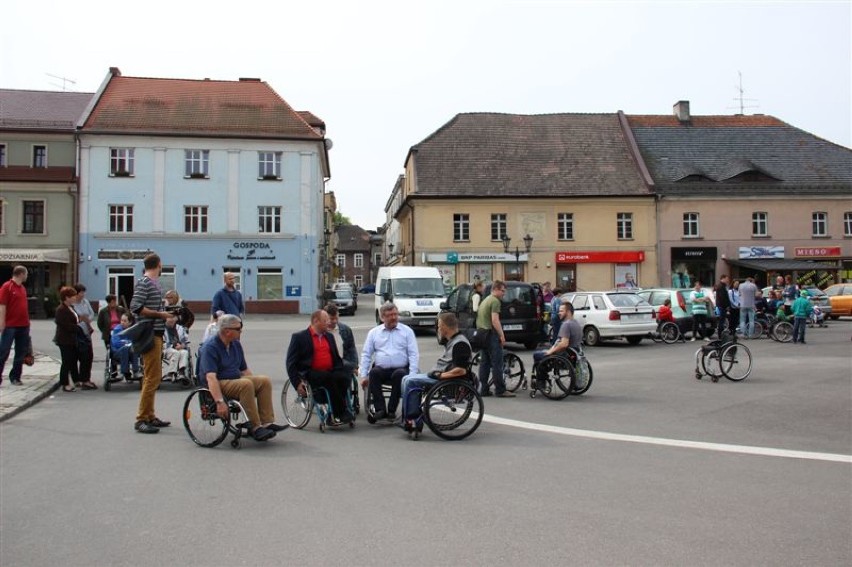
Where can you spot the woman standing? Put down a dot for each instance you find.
(85, 316)
(108, 318)
(67, 330)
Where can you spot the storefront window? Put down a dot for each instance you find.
(448, 274)
(481, 272)
(270, 284)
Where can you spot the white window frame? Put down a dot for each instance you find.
(358, 260)
(377, 259)
(461, 227)
(759, 224)
(691, 225)
(847, 223)
(269, 272)
(195, 219)
(565, 226)
(340, 260)
(35, 163)
(819, 224)
(43, 216)
(119, 157)
(123, 216)
(498, 226)
(624, 226)
(269, 219)
(269, 165)
(196, 164)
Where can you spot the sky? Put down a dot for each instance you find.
(384, 75)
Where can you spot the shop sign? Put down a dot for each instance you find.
(122, 254)
(615, 256)
(251, 251)
(692, 254)
(818, 252)
(456, 257)
(757, 252)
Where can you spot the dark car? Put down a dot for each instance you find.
(343, 298)
(369, 288)
(520, 314)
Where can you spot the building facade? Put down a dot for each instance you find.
(214, 176)
(353, 256)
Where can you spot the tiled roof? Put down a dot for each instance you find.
(244, 108)
(513, 155)
(352, 238)
(41, 110)
(63, 174)
(312, 119)
(726, 151)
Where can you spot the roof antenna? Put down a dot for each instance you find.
(742, 100)
(64, 80)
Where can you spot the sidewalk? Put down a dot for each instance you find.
(38, 381)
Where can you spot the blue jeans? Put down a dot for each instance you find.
(799, 326)
(20, 336)
(747, 321)
(410, 397)
(491, 362)
(127, 358)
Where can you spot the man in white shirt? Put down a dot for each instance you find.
(389, 353)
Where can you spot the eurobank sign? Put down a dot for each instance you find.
(614, 257)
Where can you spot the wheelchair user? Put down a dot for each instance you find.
(175, 352)
(391, 350)
(454, 363)
(570, 334)
(120, 348)
(223, 366)
(343, 337)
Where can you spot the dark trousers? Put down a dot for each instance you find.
(722, 322)
(799, 326)
(86, 356)
(20, 337)
(70, 361)
(734, 319)
(699, 323)
(491, 362)
(392, 376)
(336, 383)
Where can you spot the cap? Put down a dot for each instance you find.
(804, 293)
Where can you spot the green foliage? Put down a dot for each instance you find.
(341, 220)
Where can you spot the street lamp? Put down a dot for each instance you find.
(528, 240)
(390, 251)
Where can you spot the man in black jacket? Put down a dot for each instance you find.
(313, 357)
(723, 304)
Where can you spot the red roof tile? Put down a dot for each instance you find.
(662, 120)
(245, 108)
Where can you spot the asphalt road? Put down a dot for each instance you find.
(650, 467)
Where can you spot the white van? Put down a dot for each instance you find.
(417, 292)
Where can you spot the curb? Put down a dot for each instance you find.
(49, 383)
(31, 401)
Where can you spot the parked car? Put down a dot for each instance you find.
(520, 314)
(346, 303)
(612, 314)
(840, 298)
(681, 304)
(816, 296)
(369, 288)
(347, 286)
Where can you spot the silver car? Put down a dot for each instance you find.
(611, 315)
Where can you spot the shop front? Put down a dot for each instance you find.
(47, 268)
(819, 266)
(599, 270)
(691, 264)
(461, 267)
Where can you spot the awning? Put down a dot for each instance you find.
(781, 265)
(22, 255)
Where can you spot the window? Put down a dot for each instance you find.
(33, 217)
(820, 224)
(39, 156)
(690, 225)
(359, 282)
(121, 218)
(269, 219)
(847, 224)
(121, 162)
(2, 155)
(340, 260)
(498, 226)
(359, 261)
(269, 165)
(167, 279)
(341, 279)
(195, 219)
(461, 227)
(377, 259)
(760, 224)
(270, 284)
(625, 226)
(197, 163)
(565, 226)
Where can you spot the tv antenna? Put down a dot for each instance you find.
(65, 81)
(741, 99)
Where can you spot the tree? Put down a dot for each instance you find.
(341, 220)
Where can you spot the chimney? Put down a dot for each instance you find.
(114, 71)
(681, 110)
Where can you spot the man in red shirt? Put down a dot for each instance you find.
(14, 323)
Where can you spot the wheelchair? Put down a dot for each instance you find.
(513, 370)
(451, 409)
(207, 428)
(112, 372)
(369, 410)
(298, 408)
(668, 333)
(724, 357)
(563, 374)
(186, 379)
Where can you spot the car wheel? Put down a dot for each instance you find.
(591, 336)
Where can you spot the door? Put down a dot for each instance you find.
(566, 277)
(120, 283)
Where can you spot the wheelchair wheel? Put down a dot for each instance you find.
(558, 375)
(297, 409)
(710, 364)
(735, 362)
(583, 377)
(452, 409)
(670, 333)
(201, 421)
(782, 332)
(758, 330)
(513, 371)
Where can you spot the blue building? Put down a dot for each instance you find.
(214, 176)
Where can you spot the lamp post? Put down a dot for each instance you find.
(390, 251)
(528, 240)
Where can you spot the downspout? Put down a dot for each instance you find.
(74, 192)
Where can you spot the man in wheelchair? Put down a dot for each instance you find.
(454, 363)
(570, 335)
(223, 365)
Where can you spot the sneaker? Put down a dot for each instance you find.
(275, 427)
(157, 422)
(692, 340)
(506, 394)
(145, 427)
(262, 434)
(706, 339)
(19, 383)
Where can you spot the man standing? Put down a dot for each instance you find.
(723, 304)
(701, 306)
(313, 357)
(801, 310)
(228, 299)
(488, 321)
(748, 295)
(343, 337)
(147, 305)
(14, 323)
(389, 353)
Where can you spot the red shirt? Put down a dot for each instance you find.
(665, 314)
(14, 297)
(322, 353)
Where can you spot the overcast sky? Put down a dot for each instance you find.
(385, 75)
